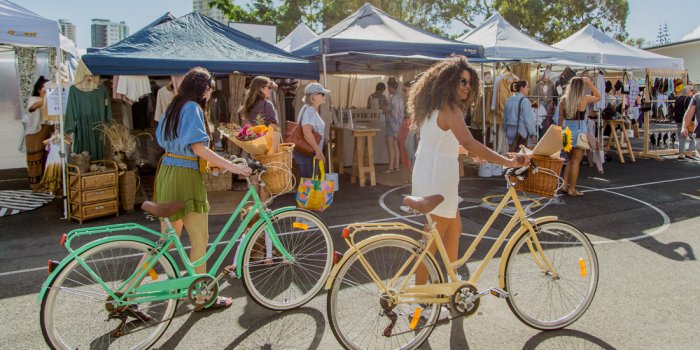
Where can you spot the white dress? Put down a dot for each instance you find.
(436, 169)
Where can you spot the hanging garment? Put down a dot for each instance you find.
(600, 86)
(26, 68)
(52, 177)
(544, 88)
(177, 80)
(164, 97)
(84, 79)
(85, 110)
(132, 87)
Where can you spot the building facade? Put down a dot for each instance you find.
(688, 50)
(105, 33)
(67, 29)
(202, 6)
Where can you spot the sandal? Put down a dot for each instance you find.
(220, 303)
(388, 171)
(575, 194)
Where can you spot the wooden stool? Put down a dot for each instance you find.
(337, 146)
(613, 124)
(363, 162)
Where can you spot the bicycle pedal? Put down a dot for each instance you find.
(230, 270)
(498, 292)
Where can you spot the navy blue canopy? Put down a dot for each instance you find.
(175, 46)
(372, 31)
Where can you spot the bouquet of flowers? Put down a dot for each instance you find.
(252, 139)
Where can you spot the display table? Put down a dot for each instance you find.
(381, 155)
(363, 161)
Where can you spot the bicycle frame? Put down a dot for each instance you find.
(177, 287)
(430, 293)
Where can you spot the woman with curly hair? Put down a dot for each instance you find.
(434, 104)
(184, 134)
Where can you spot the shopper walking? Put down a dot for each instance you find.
(684, 104)
(572, 114)
(184, 134)
(310, 120)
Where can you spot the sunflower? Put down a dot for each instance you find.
(566, 140)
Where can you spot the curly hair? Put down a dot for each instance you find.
(436, 88)
(254, 95)
(194, 87)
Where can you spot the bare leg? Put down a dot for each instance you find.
(397, 153)
(450, 231)
(197, 226)
(574, 165)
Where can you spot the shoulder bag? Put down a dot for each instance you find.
(293, 133)
(582, 138)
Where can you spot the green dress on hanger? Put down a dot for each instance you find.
(84, 111)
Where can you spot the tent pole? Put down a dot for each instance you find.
(483, 106)
(62, 152)
(325, 85)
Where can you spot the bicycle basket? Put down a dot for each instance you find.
(543, 182)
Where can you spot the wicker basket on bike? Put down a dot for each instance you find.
(278, 177)
(543, 181)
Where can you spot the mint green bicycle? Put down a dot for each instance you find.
(122, 291)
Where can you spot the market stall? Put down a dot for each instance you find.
(25, 31)
(637, 63)
(370, 41)
(297, 38)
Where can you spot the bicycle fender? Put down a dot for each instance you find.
(509, 247)
(246, 237)
(362, 244)
(71, 257)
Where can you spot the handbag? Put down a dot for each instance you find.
(315, 193)
(582, 138)
(293, 133)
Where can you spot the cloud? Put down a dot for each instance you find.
(693, 35)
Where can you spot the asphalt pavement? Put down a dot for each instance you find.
(643, 217)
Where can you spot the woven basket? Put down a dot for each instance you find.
(542, 183)
(127, 189)
(278, 180)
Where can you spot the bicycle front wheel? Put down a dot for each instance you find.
(75, 312)
(357, 308)
(277, 283)
(551, 299)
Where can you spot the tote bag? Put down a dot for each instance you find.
(294, 134)
(315, 193)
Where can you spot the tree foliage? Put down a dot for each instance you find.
(545, 20)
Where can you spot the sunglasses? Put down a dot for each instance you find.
(464, 82)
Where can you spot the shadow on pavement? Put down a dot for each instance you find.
(302, 328)
(565, 339)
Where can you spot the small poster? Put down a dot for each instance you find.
(52, 106)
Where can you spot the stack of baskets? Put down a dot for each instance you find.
(544, 182)
(278, 177)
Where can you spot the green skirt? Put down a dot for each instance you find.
(174, 183)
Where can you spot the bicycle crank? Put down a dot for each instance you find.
(465, 300)
(203, 292)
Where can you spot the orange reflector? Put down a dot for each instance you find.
(582, 265)
(151, 272)
(416, 318)
(336, 257)
(63, 239)
(346, 233)
(300, 225)
(52, 265)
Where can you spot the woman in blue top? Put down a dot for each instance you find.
(184, 134)
(520, 120)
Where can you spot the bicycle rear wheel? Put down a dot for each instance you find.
(355, 311)
(277, 283)
(549, 300)
(74, 312)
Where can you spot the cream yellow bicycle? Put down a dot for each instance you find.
(548, 275)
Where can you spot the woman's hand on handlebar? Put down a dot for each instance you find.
(240, 169)
(519, 160)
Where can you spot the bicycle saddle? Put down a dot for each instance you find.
(425, 204)
(162, 210)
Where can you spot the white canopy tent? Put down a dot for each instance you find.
(503, 41)
(21, 27)
(297, 38)
(590, 40)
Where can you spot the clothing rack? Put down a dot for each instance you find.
(646, 152)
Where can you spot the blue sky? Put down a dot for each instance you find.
(682, 16)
